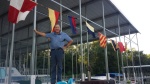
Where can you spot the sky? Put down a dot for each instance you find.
(138, 14)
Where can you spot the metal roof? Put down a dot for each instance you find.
(91, 9)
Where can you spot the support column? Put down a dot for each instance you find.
(124, 78)
(132, 57)
(33, 43)
(1, 40)
(126, 55)
(61, 15)
(72, 66)
(77, 59)
(82, 73)
(89, 72)
(64, 65)
(104, 30)
(139, 59)
(11, 55)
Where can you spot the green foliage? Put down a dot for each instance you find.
(96, 58)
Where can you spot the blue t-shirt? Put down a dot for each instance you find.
(57, 40)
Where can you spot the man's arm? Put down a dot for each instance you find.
(68, 44)
(40, 33)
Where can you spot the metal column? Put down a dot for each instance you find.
(11, 55)
(61, 15)
(121, 53)
(132, 57)
(72, 66)
(64, 65)
(33, 43)
(76, 59)
(1, 39)
(139, 59)
(126, 55)
(82, 73)
(104, 30)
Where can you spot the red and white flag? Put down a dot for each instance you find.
(19, 9)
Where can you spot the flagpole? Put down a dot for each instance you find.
(33, 43)
(72, 65)
(127, 61)
(61, 15)
(89, 73)
(64, 65)
(106, 58)
(76, 59)
(118, 63)
(11, 54)
(82, 73)
(121, 53)
(132, 57)
(139, 58)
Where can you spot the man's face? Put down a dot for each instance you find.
(57, 29)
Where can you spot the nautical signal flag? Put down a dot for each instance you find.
(19, 9)
(72, 21)
(121, 47)
(53, 16)
(90, 30)
(114, 45)
(103, 40)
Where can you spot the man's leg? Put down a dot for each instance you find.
(53, 67)
(60, 56)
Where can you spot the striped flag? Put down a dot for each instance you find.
(90, 30)
(19, 9)
(114, 45)
(72, 22)
(53, 16)
(103, 40)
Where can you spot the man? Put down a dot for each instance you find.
(57, 46)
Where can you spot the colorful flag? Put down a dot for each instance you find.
(19, 9)
(53, 16)
(114, 45)
(90, 30)
(103, 40)
(72, 22)
(121, 47)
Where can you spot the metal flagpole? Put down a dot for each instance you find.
(49, 69)
(89, 73)
(43, 63)
(82, 73)
(118, 63)
(106, 58)
(121, 53)
(64, 65)
(11, 55)
(35, 70)
(127, 62)
(72, 65)
(7, 53)
(76, 59)
(33, 43)
(139, 59)
(132, 57)
(61, 15)
(1, 39)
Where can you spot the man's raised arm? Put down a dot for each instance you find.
(40, 33)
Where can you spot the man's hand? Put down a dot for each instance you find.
(64, 47)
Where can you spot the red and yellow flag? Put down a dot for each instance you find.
(103, 40)
(53, 16)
